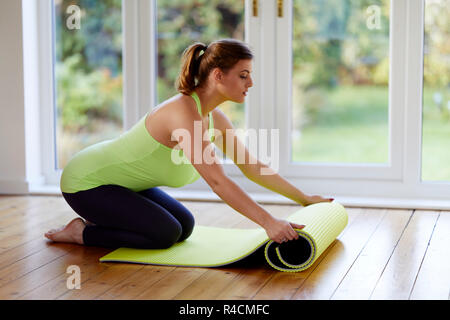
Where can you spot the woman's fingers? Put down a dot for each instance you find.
(297, 226)
(283, 231)
(293, 235)
(316, 199)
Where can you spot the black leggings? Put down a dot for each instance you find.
(149, 219)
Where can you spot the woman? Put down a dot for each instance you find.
(113, 184)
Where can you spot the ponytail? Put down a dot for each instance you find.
(198, 60)
(190, 63)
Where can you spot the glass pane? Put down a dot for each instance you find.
(340, 81)
(181, 23)
(436, 92)
(88, 74)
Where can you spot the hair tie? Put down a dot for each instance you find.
(202, 51)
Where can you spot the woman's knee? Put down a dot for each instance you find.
(169, 235)
(175, 232)
(187, 227)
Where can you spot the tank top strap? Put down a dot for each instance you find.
(211, 127)
(197, 102)
(210, 116)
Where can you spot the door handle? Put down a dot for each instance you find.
(280, 8)
(255, 8)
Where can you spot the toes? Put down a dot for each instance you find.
(49, 236)
(53, 231)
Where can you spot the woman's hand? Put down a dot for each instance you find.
(281, 230)
(315, 199)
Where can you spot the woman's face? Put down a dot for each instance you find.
(235, 83)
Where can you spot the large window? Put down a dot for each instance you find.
(436, 92)
(357, 89)
(88, 74)
(340, 81)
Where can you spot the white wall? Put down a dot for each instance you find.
(20, 164)
(12, 100)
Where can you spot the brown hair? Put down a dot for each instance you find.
(196, 65)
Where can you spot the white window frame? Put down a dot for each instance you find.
(47, 92)
(397, 184)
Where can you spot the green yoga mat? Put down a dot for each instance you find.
(214, 246)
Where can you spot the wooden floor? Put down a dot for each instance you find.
(381, 254)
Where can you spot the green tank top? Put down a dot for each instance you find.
(134, 160)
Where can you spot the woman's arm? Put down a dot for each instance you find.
(252, 168)
(273, 181)
(279, 230)
(209, 167)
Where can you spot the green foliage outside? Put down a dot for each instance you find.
(88, 63)
(180, 24)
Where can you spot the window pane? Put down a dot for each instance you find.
(436, 92)
(181, 23)
(340, 81)
(88, 74)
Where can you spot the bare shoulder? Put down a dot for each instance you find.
(175, 112)
(186, 104)
(177, 108)
(182, 110)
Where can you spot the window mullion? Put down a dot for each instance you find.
(414, 91)
(47, 98)
(130, 20)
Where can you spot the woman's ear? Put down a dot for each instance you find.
(217, 74)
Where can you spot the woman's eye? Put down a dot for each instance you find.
(243, 77)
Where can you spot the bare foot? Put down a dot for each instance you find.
(71, 233)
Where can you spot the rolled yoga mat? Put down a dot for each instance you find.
(213, 246)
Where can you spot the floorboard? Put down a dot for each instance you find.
(381, 254)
